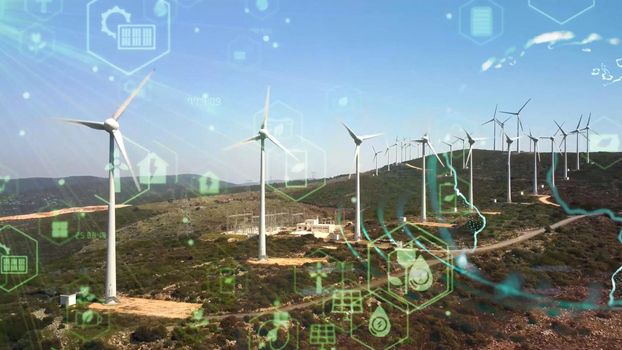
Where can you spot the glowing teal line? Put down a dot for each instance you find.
(597, 212)
(459, 194)
(387, 233)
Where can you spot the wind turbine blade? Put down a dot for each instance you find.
(437, 157)
(266, 109)
(412, 166)
(92, 125)
(118, 138)
(494, 116)
(367, 137)
(134, 93)
(559, 127)
(588, 120)
(520, 110)
(490, 121)
(579, 124)
(374, 149)
(279, 145)
(352, 134)
(248, 140)
(512, 113)
(520, 122)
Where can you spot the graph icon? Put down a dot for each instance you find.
(481, 21)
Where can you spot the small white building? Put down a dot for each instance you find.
(314, 227)
(67, 300)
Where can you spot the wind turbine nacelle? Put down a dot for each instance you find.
(111, 124)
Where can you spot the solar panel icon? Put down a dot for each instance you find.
(14, 265)
(346, 301)
(322, 335)
(136, 37)
(481, 21)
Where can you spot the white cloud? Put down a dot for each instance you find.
(489, 62)
(550, 38)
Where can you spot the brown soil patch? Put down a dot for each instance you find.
(53, 213)
(434, 224)
(547, 200)
(150, 307)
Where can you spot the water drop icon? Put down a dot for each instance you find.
(160, 9)
(262, 5)
(379, 324)
(420, 276)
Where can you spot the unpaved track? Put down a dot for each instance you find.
(53, 213)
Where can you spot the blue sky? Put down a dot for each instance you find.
(402, 64)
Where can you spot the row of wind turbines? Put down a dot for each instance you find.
(112, 127)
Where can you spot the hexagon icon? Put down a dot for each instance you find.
(43, 10)
(262, 9)
(607, 138)
(37, 42)
(128, 36)
(481, 21)
(418, 264)
(19, 258)
(56, 226)
(285, 122)
(322, 277)
(274, 331)
(244, 52)
(300, 174)
(562, 12)
(383, 323)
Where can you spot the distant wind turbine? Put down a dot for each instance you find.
(112, 127)
(376, 158)
(552, 139)
(536, 158)
(357, 142)
(578, 131)
(587, 130)
(494, 122)
(463, 149)
(509, 141)
(261, 136)
(502, 125)
(425, 140)
(387, 153)
(451, 152)
(472, 141)
(564, 140)
(519, 124)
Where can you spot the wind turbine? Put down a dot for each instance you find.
(357, 142)
(396, 144)
(451, 152)
(388, 155)
(112, 127)
(376, 158)
(470, 157)
(564, 140)
(502, 125)
(509, 141)
(261, 136)
(536, 157)
(425, 140)
(494, 122)
(587, 136)
(463, 148)
(519, 124)
(552, 138)
(577, 131)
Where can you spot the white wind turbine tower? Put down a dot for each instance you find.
(552, 139)
(502, 125)
(494, 122)
(112, 127)
(261, 136)
(376, 158)
(396, 145)
(509, 141)
(577, 131)
(451, 152)
(564, 140)
(463, 154)
(587, 130)
(387, 153)
(519, 124)
(470, 158)
(536, 157)
(425, 140)
(357, 142)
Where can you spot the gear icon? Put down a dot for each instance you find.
(111, 11)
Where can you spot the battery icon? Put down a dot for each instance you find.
(14, 265)
(481, 21)
(136, 37)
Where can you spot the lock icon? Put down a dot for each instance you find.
(209, 183)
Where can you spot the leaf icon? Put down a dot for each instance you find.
(396, 281)
(449, 197)
(87, 316)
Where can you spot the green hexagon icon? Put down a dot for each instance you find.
(19, 258)
(412, 265)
